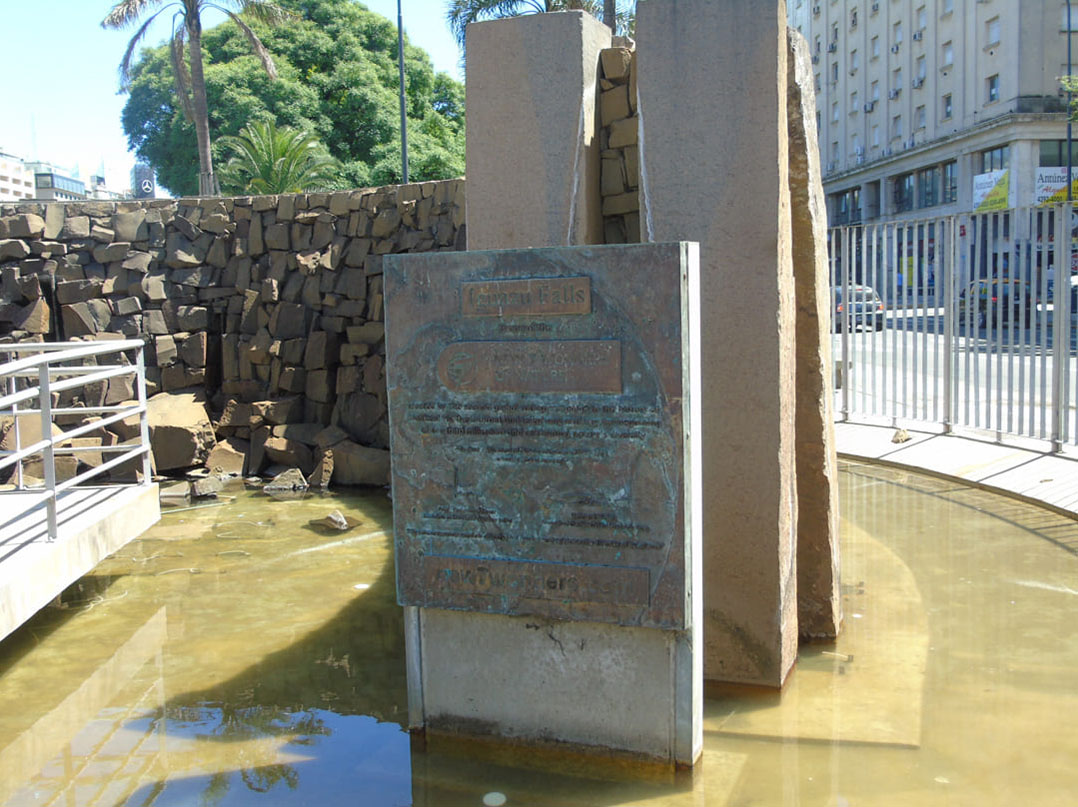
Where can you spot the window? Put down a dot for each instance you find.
(948, 7)
(897, 37)
(921, 117)
(995, 159)
(817, 84)
(948, 110)
(896, 127)
(1054, 153)
(875, 47)
(855, 105)
(928, 184)
(922, 18)
(855, 60)
(834, 112)
(875, 136)
(948, 54)
(992, 94)
(896, 79)
(875, 91)
(834, 32)
(991, 30)
(834, 72)
(855, 145)
(950, 183)
(818, 121)
(922, 67)
(834, 151)
(853, 18)
(817, 45)
(1073, 20)
(903, 192)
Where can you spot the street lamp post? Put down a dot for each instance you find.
(1070, 160)
(404, 114)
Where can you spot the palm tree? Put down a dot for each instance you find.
(269, 160)
(462, 12)
(187, 36)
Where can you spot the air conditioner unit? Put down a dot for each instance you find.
(918, 36)
(875, 8)
(831, 48)
(870, 106)
(816, 11)
(893, 94)
(894, 49)
(918, 83)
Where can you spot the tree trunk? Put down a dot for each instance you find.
(207, 182)
(610, 15)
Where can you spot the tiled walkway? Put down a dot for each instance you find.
(1047, 479)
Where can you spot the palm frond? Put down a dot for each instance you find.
(125, 63)
(265, 11)
(462, 13)
(180, 75)
(256, 44)
(126, 12)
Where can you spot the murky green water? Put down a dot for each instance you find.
(238, 655)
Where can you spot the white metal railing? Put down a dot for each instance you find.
(976, 319)
(36, 380)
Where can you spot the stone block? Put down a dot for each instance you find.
(75, 227)
(623, 133)
(615, 63)
(229, 457)
(126, 306)
(25, 225)
(77, 291)
(193, 349)
(164, 351)
(283, 410)
(130, 226)
(322, 350)
(698, 165)
(193, 317)
(323, 469)
(321, 385)
(614, 105)
(34, 318)
(277, 237)
(77, 320)
(288, 321)
(181, 435)
(509, 139)
(103, 235)
(290, 453)
(354, 464)
(292, 379)
(13, 249)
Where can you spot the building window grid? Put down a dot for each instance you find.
(903, 192)
(949, 189)
(992, 32)
(992, 89)
(948, 109)
(928, 183)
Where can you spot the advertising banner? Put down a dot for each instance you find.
(992, 191)
(1050, 187)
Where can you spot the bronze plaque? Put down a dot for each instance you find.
(539, 411)
(535, 366)
(531, 297)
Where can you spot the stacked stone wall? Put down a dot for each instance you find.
(270, 306)
(620, 170)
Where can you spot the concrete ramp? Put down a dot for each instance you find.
(93, 523)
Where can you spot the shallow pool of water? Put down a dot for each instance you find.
(238, 654)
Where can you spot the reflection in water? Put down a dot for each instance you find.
(241, 655)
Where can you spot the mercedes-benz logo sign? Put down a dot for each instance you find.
(147, 186)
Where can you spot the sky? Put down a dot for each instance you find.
(60, 102)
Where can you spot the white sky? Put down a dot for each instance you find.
(60, 103)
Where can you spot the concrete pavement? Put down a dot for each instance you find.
(1049, 480)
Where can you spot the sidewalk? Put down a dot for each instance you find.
(1049, 480)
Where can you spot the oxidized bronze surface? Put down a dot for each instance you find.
(536, 402)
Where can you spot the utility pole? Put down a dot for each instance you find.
(404, 113)
(1069, 158)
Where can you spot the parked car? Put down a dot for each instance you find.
(861, 307)
(1011, 300)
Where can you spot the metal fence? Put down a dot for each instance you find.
(55, 380)
(961, 323)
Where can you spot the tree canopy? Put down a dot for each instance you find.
(337, 81)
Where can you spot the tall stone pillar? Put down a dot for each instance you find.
(715, 169)
(819, 609)
(533, 141)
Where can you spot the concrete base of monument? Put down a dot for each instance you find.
(626, 691)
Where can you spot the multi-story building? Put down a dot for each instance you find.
(931, 107)
(55, 185)
(16, 180)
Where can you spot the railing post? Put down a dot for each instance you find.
(44, 393)
(144, 426)
(846, 320)
(1061, 332)
(13, 387)
(947, 255)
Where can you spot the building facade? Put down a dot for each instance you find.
(928, 108)
(16, 180)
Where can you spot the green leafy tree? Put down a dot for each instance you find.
(185, 56)
(268, 160)
(460, 13)
(337, 80)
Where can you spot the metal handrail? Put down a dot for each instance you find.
(45, 364)
(976, 331)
